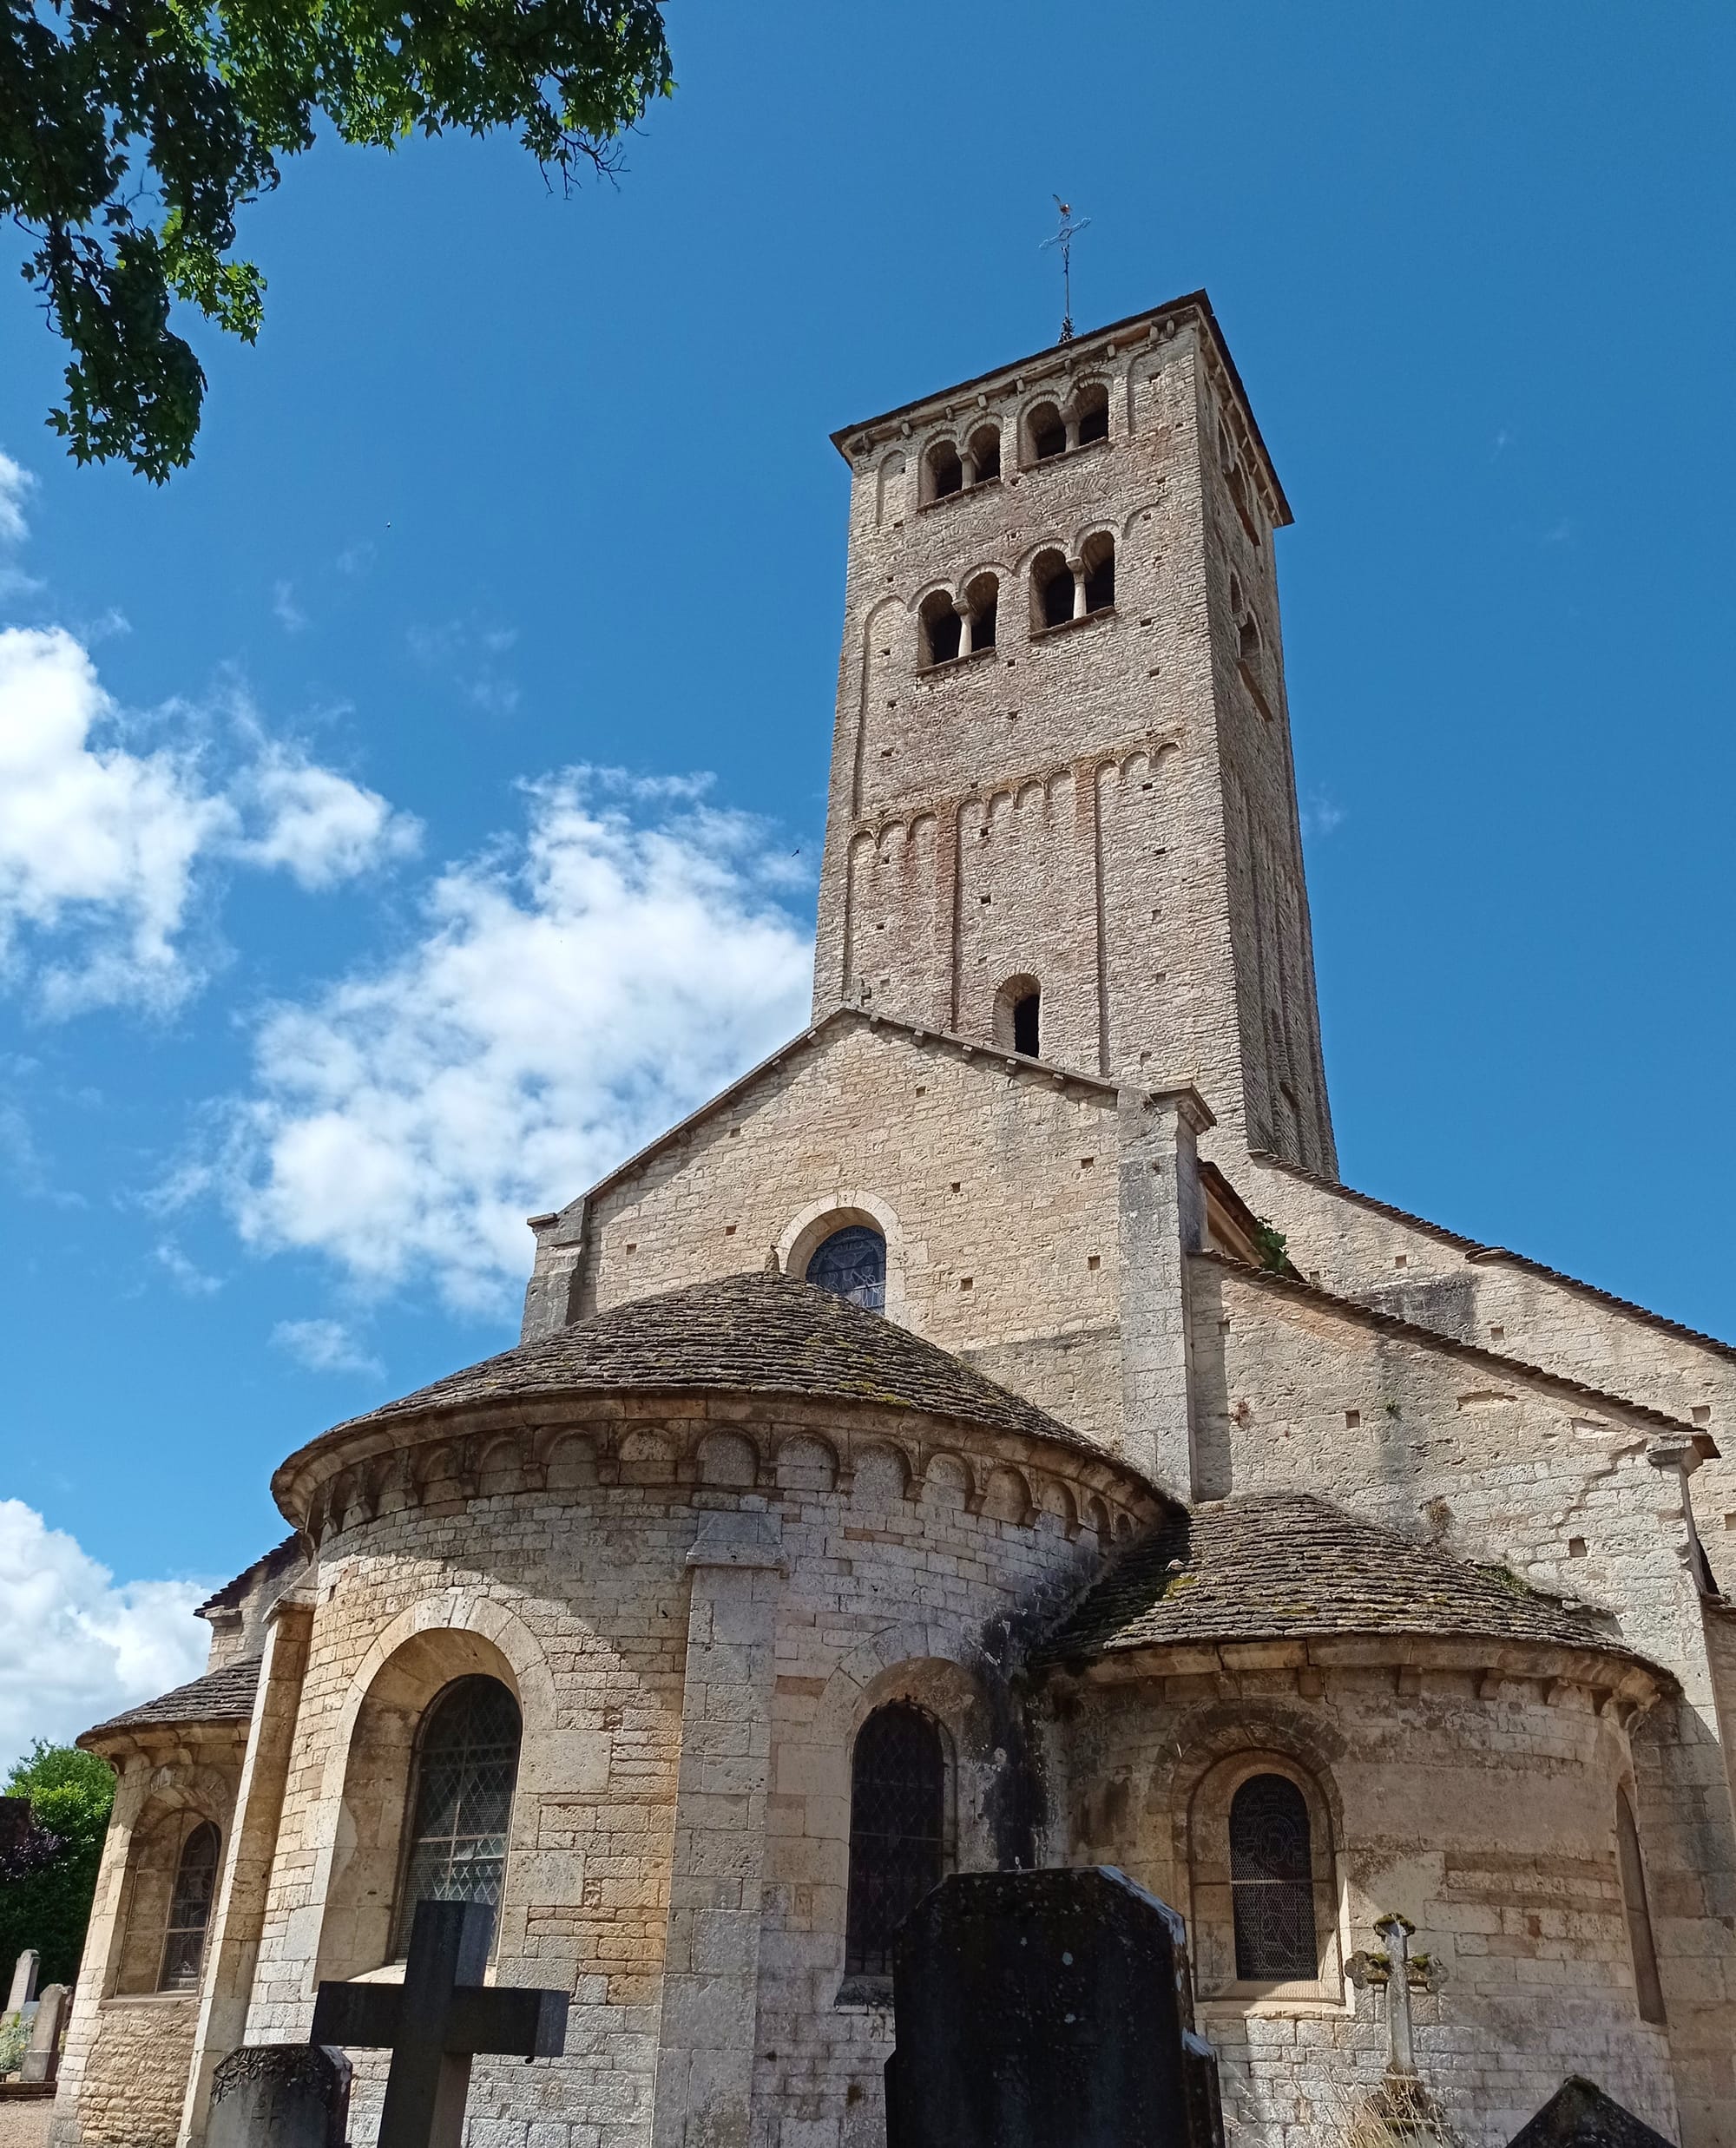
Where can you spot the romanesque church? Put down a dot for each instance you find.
(990, 1434)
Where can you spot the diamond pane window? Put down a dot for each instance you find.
(898, 1831)
(1271, 1882)
(464, 1775)
(851, 1263)
(190, 1910)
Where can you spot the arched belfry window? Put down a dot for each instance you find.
(1648, 1988)
(190, 1910)
(1271, 1882)
(466, 1765)
(898, 1830)
(851, 1263)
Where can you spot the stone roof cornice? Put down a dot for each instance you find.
(1432, 1339)
(1185, 1097)
(1476, 1251)
(1082, 350)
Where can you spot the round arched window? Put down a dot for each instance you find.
(851, 1263)
(464, 1775)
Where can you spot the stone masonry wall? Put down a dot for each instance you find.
(1440, 1280)
(1295, 1392)
(1483, 1814)
(135, 2075)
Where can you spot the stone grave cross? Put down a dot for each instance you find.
(437, 2021)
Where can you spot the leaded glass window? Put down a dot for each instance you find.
(1271, 1882)
(851, 1263)
(464, 1773)
(190, 1910)
(898, 1830)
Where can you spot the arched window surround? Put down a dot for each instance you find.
(1012, 995)
(806, 1231)
(366, 1790)
(158, 1828)
(851, 1263)
(1210, 1882)
(955, 466)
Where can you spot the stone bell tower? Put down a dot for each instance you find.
(1062, 814)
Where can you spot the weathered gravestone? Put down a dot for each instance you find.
(279, 2096)
(1047, 2010)
(23, 1990)
(41, 2061)
(437, 2021)
(1580, 2115)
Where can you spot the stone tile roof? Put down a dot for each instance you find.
(1473, 1249)
(1288, 1566)
(263, 1568)
(225, 1696)
(762, 1332)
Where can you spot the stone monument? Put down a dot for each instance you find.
(42, 2054)
(1047, 2010)
(441, 2016)
(279, 2096)
(1580, 2115)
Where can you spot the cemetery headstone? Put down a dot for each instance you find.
(279, 2096)
(1047, 2010)
(437, 2021)
(42, 2054)
(23, 1981)
(1580, 2115)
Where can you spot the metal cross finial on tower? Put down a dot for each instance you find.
(1070, 229)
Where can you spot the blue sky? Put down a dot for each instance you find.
(322, 966)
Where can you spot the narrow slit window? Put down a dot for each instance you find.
(1026, 1025)
(1647, 1987)
(1271, 1882)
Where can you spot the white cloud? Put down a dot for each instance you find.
(573, 993)
(325, 1346)
(287, 613)
(75, 1646)
(15, 482)
(1320, 812)
(105, 850)
(321, 827)
(185, 1274)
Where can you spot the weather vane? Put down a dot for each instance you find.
(1070, 229)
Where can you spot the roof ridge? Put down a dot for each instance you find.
(1434, 1338)
(1475, 1250)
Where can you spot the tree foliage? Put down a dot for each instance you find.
(133, 131)
(51, 1877)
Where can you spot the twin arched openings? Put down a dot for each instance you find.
(946, 469)
(1054, 428)
(952, 627)
(1063, 590)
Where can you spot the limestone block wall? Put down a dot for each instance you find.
(1504, 1465)
(995, 1191)
(1483, 1815)
(568, 1556)
(131, 2084)
(1359, 1248)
